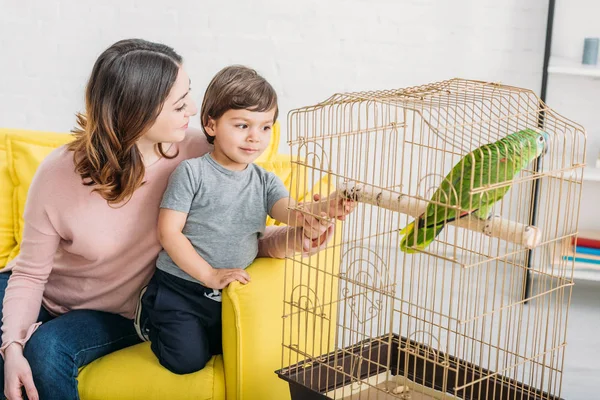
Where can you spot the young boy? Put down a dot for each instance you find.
(212, 214)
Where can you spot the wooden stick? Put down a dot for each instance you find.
(495, 226)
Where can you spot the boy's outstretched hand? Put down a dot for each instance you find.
(219, 278)
(335, 206)
(316, 217)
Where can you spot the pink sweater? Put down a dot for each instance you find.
(80, 253)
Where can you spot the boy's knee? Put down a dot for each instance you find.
(182, 360)
(186, 365)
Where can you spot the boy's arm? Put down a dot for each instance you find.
(312, 226)
(308, 234)
(278, 200)
(285, 241)
(181, 251)
(313, 217)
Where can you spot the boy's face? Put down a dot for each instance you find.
(241, 136)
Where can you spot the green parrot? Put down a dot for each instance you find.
(489, 164)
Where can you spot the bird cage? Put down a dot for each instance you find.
(481, 311)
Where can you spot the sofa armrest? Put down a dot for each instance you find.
(253, 327)
(252, 333)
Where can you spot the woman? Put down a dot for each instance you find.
(90, 243)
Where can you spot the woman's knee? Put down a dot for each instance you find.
(48, 357)
(52, 366)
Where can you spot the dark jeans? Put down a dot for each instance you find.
(61, 345)
(183, 321)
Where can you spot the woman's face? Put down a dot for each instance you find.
(172, 122)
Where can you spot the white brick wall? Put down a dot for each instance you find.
(574, 20)
(308, 49)
(578, 97)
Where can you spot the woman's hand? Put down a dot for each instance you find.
(17, 374)
(219, 278)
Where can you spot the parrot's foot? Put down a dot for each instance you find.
(352, 191)
(487, 228)
(492, 216)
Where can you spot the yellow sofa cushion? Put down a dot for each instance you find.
(25, 151)
(7, 236)
(135, 373)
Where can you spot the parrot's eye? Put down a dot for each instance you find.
(541, 139)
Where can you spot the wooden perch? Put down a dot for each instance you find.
(495, 226)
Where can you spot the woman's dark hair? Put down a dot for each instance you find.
(125, 94)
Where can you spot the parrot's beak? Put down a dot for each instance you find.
(546, 148)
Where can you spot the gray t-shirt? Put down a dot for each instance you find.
(226, 211)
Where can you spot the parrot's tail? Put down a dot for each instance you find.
(420, 238)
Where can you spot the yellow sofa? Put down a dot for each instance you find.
(252, 314)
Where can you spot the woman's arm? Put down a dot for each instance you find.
(31, 268)
(285, 241)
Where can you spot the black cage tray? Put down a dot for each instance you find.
(310, 380)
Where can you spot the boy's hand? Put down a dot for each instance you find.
(334, 206)
(338, 207)
(331, 207)
(312, 227)
(219, 278)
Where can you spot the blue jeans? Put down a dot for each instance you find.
(62, 345)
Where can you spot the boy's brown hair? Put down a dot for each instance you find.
(236, 88)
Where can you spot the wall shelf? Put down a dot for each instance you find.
(565, 66)
(583, 272)
(591, 174)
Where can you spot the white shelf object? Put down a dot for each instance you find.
(566, 66)
(583, 272)
(591, 174)
(586, 272)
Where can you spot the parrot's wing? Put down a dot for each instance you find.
(451, 191)
(497, 168)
